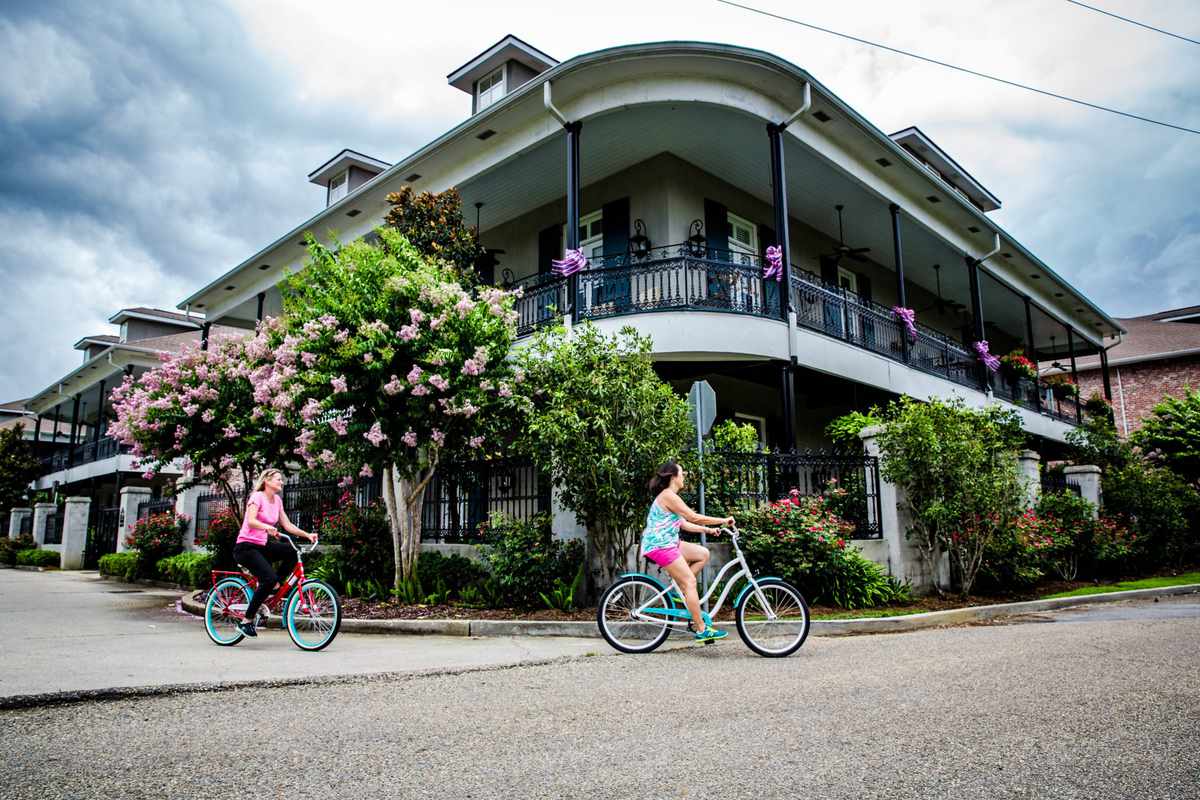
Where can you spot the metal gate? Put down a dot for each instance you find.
(103, 538)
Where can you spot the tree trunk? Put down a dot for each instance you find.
(405, 500)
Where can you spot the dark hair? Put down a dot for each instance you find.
(662, 478)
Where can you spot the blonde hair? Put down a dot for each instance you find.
(264, 476)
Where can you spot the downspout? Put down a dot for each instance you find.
(791, 317)
(992, 252)
(548, 102)
(1121, 391)
(795, 114)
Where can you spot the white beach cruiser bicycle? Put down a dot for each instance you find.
(636, 614)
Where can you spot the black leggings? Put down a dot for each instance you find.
(257, 558)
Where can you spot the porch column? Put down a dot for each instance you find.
(788, 397)
(57, 415)
(99, 424)
(1074, 373)
(74, 431)
(573, 131)
(1104, 374)
(782, 236)
(977, 317)
(37, 431)
(898, 255)
(204, 335)
(1031, 352)
(261, 297)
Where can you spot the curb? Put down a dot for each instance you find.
(820, 627)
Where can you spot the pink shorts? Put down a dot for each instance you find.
(663, 555)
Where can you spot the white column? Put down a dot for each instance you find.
(563, 522)
(130, 497)
(17, 516)
(75, 528)
(899, 556)
(186, 493)
(40, 512)
(1031, 477)
(1087, 478)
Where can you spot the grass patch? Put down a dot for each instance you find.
(1124, 586)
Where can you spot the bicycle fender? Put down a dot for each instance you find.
(749, 586)
(650, 578)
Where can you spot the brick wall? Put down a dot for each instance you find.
(1142, 386)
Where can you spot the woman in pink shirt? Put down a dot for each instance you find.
(258, 542)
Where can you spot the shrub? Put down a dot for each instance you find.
(1172, 434)
(1159, 507)
(844, 430)
(193, 570)
(10, 547)
(223, 529)
(154, 538)
(1060, 531)
(1010, 563)
(119, 565)
(525, 561)
(38, 558)
(455, 572)
(1113, 547)
(801, 540)
(365, 540)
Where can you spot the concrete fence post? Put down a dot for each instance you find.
(1087, 478)
(17, 517)
(75, 531)
(900, 557)
(131, 496)
(185, 506)
(1028, 463)
(40, 512)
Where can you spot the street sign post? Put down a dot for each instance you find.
(702, 401)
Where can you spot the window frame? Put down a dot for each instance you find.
(344, 188)
(502, 82)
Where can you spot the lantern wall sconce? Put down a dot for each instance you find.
(639, 243)
(697, 242)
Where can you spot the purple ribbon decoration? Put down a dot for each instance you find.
(989, 360)
(573, 261)
(774, 268)
(909, 318)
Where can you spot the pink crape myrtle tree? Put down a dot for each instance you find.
(394, 368)
(221, 411)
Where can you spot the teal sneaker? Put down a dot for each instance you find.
(709, 635)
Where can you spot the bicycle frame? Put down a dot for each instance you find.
(679, 618)
(294, 578)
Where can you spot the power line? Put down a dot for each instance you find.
(1132, 21)
(959, 69)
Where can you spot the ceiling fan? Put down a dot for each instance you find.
(941, 303)
(842, 248)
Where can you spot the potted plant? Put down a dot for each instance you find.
(1016, 366)
(1062, 386)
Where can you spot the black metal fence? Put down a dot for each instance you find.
(305, 501)
(462, 496)
(5, 523)
(103, 536)
(207, 507)
(52, 532)
(1058, 482)
(741, 481)
(26, 525)
(164, 506)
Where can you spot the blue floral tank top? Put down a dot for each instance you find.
(662, 529)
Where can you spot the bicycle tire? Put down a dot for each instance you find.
(794, 629)
(297, 625)
(641, 590)
(216, 622)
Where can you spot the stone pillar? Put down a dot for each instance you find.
(1087, 478)
(75, 530)
(186, 494)
(563, 523)
(131, 496)
(40, 512)
(17, 516)
(900, 557)
(1031, 477)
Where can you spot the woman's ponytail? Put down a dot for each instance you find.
(662, 478)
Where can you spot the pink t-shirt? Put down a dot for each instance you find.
(268, 514)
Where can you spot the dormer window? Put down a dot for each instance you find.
(489, 89)
(339, 187)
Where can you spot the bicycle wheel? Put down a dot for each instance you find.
(777, 634)
(615, 618)
(313, 615)
(230, 594)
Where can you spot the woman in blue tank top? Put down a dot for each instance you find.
(660, 540)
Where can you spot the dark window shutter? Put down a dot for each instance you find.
(864, 287)
(615, 223)
(716, 226)
(766, 238)
(829, 270)
(549, 248)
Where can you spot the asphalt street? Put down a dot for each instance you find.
(1099, 702)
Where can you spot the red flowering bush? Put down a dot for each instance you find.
(803, 541)
(155, 537)
(223, 528)
(1113, 546)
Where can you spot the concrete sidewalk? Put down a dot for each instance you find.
(72, 631)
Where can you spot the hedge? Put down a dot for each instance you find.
(38, 558)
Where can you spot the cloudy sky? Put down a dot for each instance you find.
(150, 146)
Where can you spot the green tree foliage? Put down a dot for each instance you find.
(433, 223)
(958, 469)
(600, 423)
(844, 431)
(1172, 433)
(18, 468)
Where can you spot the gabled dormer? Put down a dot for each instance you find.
(505, 66)
(939, 162)
(344, 173)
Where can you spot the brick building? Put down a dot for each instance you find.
(1159, 356)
